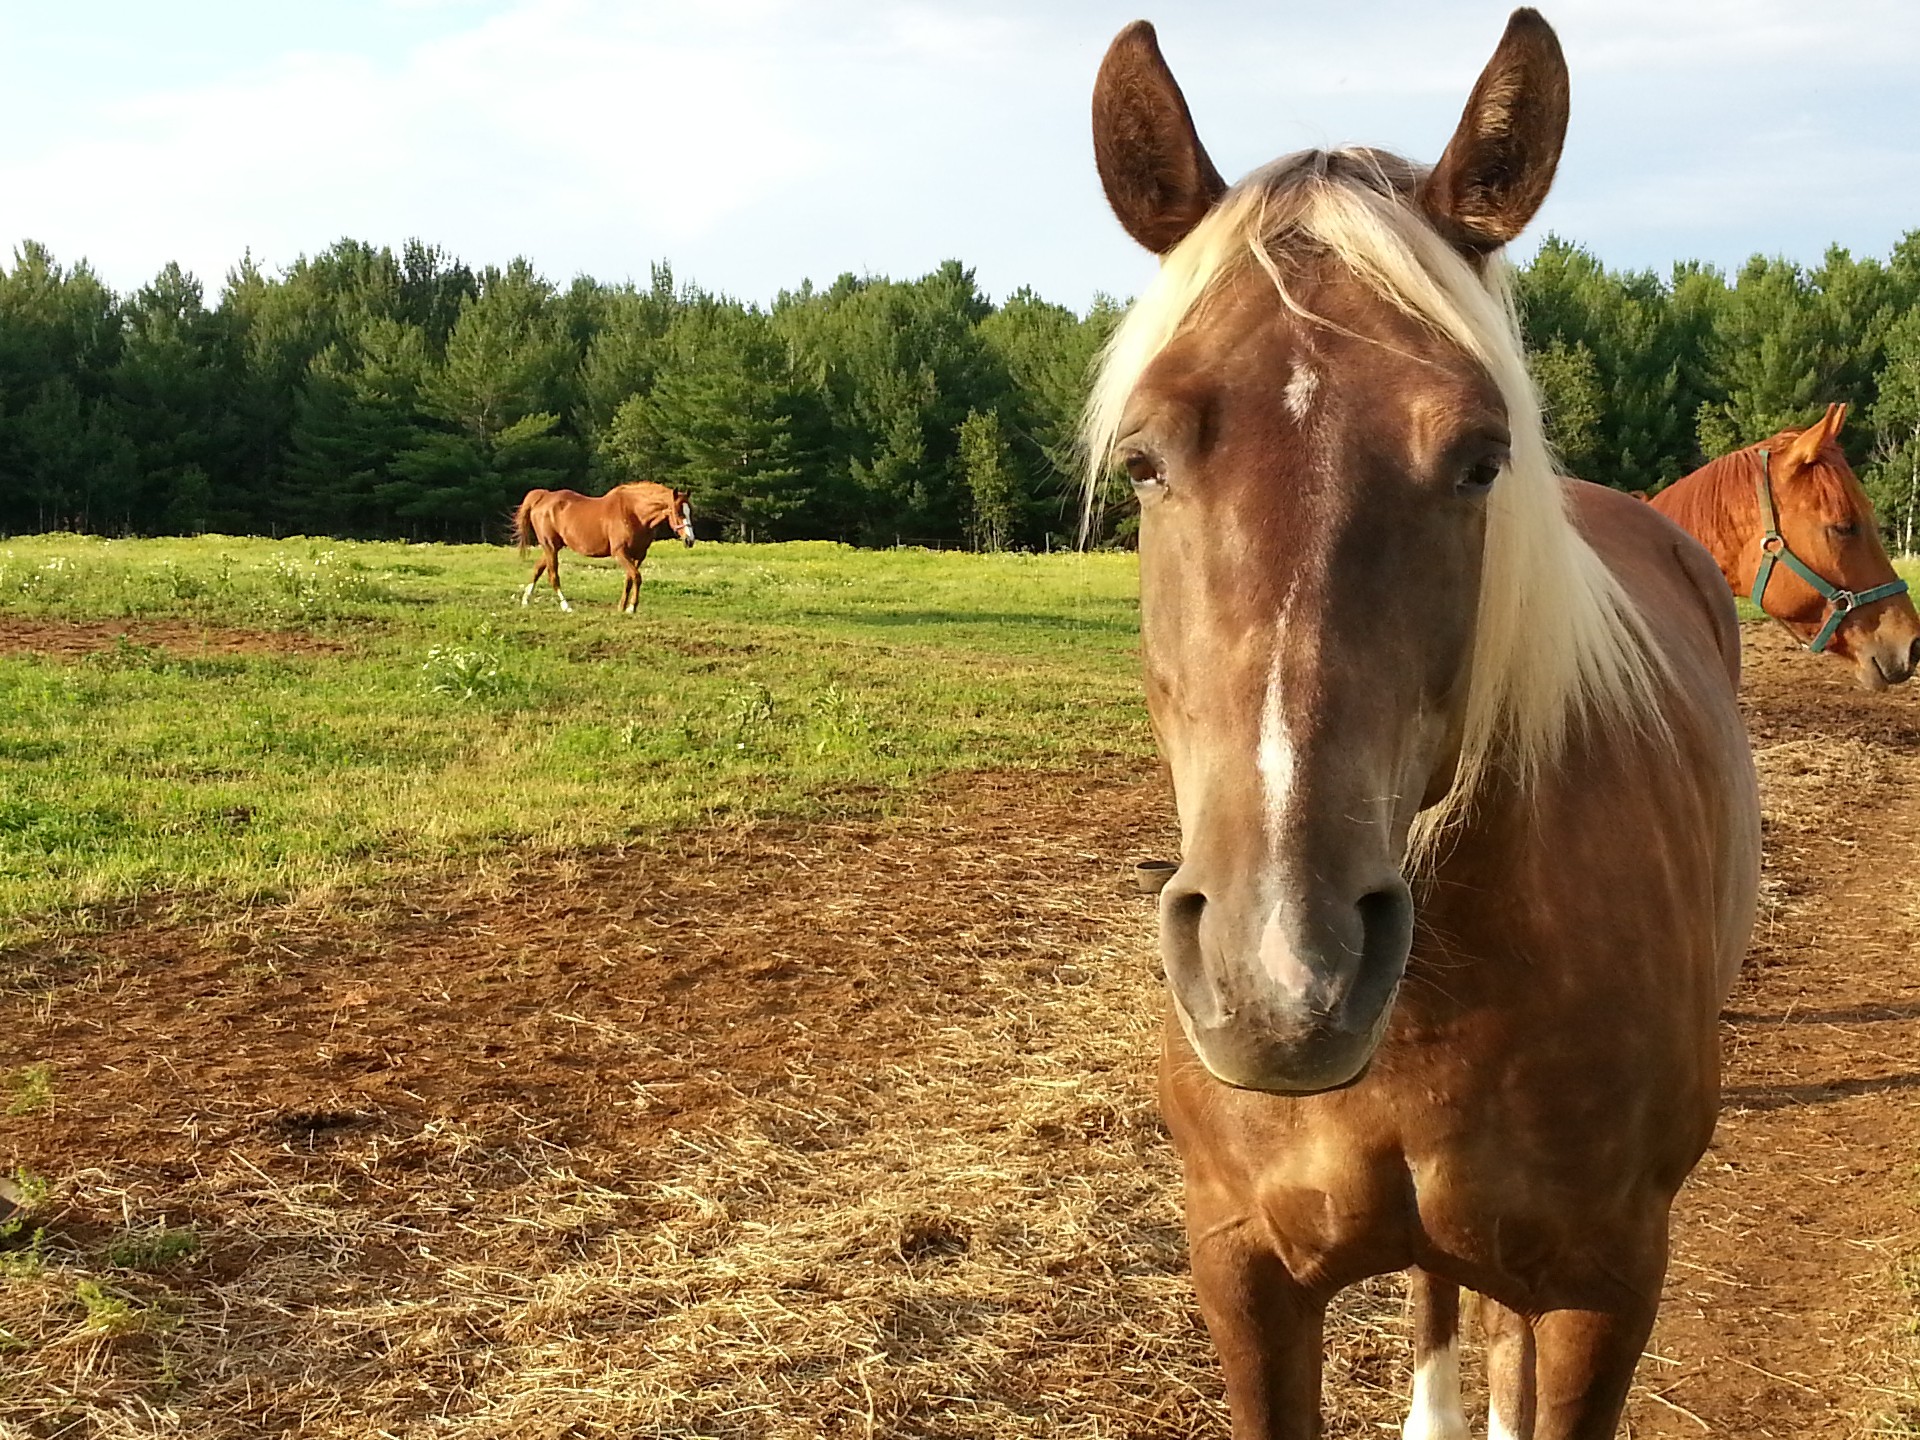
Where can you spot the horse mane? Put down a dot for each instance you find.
(1700, 501)
(1559, 642)
(1696, 501)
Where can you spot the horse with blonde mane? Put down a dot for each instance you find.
(1470, 836)
(1792, 529)
(622, 523)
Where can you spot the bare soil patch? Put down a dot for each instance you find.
(1788, 1310)
(21, 635)
(848, 1130)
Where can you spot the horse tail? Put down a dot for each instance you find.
(522, 527)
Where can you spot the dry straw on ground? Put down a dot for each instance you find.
(862, 1142)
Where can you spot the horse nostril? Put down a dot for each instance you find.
(1180, 912)
(1913, 656)
(1386, 937)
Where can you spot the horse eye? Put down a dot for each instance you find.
(1143, 469)
(1846, 529)
(1479, 477)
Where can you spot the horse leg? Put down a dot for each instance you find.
(1266, 1327)
(1510, 1372)
(1436, 1411)
(1583, 1367)
(632, 587)
(553, 573)
(526, 595)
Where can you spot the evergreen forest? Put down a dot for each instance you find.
(372, 393)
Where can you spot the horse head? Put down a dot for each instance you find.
(1358, 580)
(1853, 604)
(680, 516)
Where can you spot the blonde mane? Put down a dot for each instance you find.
(1559, 642)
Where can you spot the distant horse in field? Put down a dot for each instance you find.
(623, 523)
(1470, 835)
(1793, 530)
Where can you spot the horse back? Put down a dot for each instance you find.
(1703, 794)
(1677, 582)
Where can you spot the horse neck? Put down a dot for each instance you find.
(648, 503)
(1719, 506)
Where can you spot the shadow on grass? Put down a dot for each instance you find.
(986, 619)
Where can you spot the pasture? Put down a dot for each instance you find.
(245, 720)
(426, 1016)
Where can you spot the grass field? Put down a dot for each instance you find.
(224, 721)
(301, 720)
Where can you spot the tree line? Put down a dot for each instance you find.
(373, 394)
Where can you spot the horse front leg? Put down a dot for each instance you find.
(1436, 1411)
(1266, 1327)
(1583, 1368)
(1511, 1364)
(630, 592)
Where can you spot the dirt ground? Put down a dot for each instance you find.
(21, 634)
(848, 1130)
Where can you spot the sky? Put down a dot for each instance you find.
(757, 143)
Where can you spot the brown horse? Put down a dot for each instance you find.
(1470, 837)
(1792, 529)
(623, 523)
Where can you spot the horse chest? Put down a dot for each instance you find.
(1503, 1189)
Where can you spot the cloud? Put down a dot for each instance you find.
(552, 114)
(758, 142)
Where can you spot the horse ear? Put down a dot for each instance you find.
(1499, 165)
(1806, 447)
(1155, 170)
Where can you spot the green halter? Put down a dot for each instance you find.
(1774, 551)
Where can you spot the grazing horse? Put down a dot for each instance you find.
(623, 523)
(1470, 835)
(1792, 529)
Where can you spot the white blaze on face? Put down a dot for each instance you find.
(1276, 750)
(1300, 392)
(1436, 1412)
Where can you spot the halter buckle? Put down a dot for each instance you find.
(1842, 601)
(1774, 545)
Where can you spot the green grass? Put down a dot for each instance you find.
(151, 1249)
(28, 1090)
(454, 725)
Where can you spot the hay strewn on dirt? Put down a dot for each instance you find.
(825, 1134)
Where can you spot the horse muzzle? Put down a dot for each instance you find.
(1880, 665)
(1296, 1003)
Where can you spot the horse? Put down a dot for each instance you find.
(1792, 529)
(1469, 826)
(623, 523)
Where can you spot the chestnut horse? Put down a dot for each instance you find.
(623, 523)
(1792, 529)
(1470, 836)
